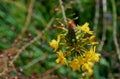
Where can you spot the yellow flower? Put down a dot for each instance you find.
(88, 60)
(85, 67)
(89, 57)
(92, 40)
(61, 59)
(92, 50)
(90, 64)
(90, 53)
(74, 64)
(88, 67)
(85, 28)
(54, 43)
(95, 57)
(81, 60)
(90, 72)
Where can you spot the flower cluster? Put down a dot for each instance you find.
(76, 48)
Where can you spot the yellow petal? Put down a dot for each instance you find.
(58, 60)
(60, 53)
(74, 64)
(54, 44)
(58, 38)
(61, 59)
(96, 57)
(85, 28)
(92, 38)
(85, 67)
(90, 72)
(90, 64)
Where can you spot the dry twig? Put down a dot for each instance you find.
(34, 61)
(63, 11)
(115, 28)
(104, 25)
(32, 41)
(28, 19)
(51, 70)
(97, 10)
(16, 3)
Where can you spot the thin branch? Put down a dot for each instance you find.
(51, 70)
(63, 11)
(16, 3)
(36, 38)
(32, 41)
(115, 28)
(28, 19)
(37, 60)
(5, 66)
(27, 22)
(28, 44)
(34, 61)
(97, 10)
(104, 25)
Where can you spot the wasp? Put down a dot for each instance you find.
(71, 34)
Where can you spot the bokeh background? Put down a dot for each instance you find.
(27, 27)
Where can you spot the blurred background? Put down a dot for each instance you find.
(27, 27)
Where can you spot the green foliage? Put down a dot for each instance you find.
(13, 15)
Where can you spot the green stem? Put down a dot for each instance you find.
(115, 27)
